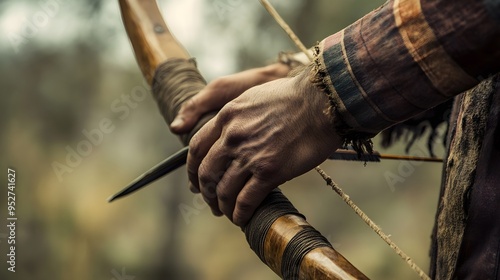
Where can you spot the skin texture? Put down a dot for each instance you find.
(262, 138)
(222, 90)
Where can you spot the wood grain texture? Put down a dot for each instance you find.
(150, 37)
(326, 263)
(320, 263)
(278, 236)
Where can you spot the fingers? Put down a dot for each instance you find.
(226, 185)
(192, 188)
(250, 197)
(229, 186)
(199, 146)
(211, 98)
(233, 192)
(210, 173)
(190, 113)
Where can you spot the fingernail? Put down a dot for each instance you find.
(177, 122)
(239, 221)
(193, 189)
(217, 213)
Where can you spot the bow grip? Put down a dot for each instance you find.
(174, 78)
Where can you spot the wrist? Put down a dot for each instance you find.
(320, 113)
(360, 141)
(324, 111)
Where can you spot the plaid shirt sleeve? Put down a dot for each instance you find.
(406, 57)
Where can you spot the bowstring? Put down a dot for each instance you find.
(335, 187)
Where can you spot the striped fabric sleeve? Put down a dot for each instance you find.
(408, 56)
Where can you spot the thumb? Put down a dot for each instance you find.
(213, 97)
(187, 117)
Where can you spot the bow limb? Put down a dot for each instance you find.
(277, 232)
(151, 39)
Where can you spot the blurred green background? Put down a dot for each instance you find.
(67, 66)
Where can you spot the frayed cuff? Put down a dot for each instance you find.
(360, 141)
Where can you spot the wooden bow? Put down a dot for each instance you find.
(154, 45)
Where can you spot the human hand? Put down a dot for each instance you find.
(222, 90)
(263, 138)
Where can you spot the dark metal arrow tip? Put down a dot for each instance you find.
(111, 198)
(163, 168)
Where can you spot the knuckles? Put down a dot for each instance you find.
(224, 197)
(195, 148)
(227, 114)
(235, 135)
(209, 192)
(203, 174)
(206, 176)
(189, 105)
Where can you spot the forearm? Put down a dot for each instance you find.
(407, 57)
